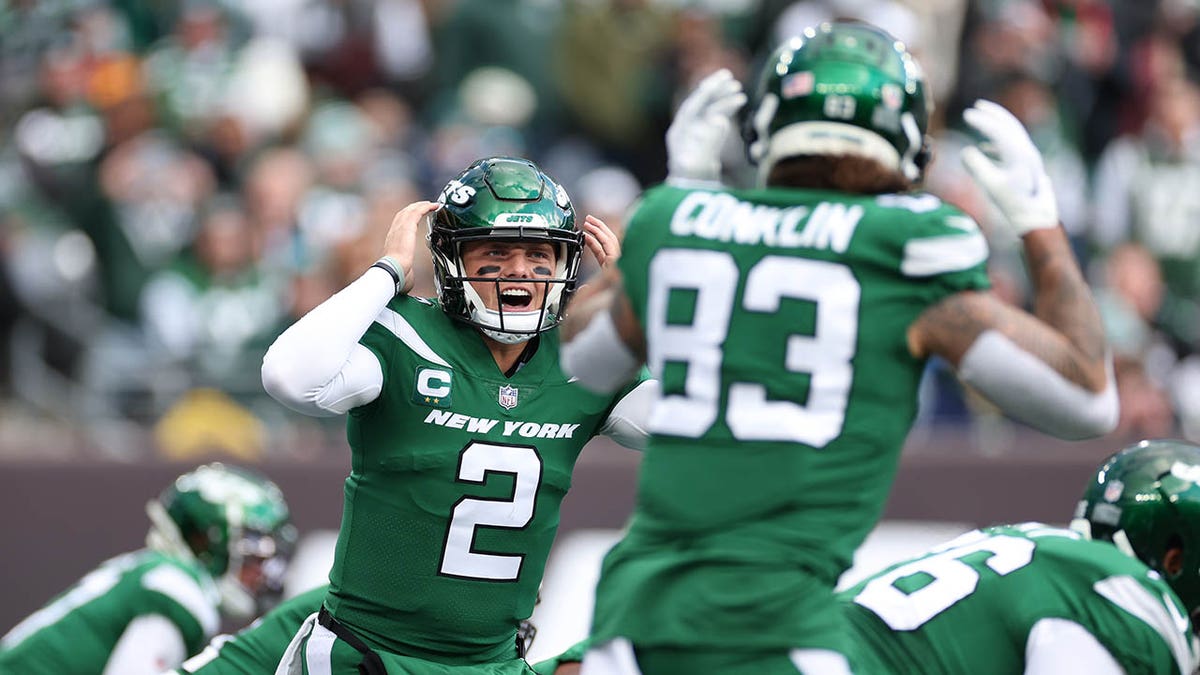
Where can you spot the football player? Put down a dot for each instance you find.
(463, 429)
(1112, 595)
(218, 543)
(257, 648)
(789, 327)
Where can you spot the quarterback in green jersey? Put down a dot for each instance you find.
(789, 327)
(462, 427)
(217, 545)
(1112, 595)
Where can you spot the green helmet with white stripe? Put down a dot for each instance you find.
(1145, 499)
(505, 199)
(841, 88)
(235, 524)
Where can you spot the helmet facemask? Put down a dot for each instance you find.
(253, 582)
(477, 210)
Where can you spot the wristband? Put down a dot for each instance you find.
(396, 270)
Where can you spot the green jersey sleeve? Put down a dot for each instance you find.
(257, 648)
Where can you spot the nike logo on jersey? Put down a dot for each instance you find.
(484, 425)
(722, 217)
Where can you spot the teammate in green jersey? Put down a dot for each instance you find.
(789, 327)
(257, 648)
(462, 427)
(217, 544)
(1110, 596)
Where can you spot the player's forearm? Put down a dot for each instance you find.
(314, 354)
(1063, 300)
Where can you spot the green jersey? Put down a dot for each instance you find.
(970, 606)
(257, 648)
(77, 631)
(457, 475)
(776, 321)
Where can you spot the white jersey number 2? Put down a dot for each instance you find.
(459, 559)
(826, 355)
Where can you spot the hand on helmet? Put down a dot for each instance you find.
(1015, 179)
(697, 134)
(601, 241)
(400, 243)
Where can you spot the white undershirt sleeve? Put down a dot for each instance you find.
(1062, 647)
(149, 645)
(627, 422)
(1029, 390)
(317, 367)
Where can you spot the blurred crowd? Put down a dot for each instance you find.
(181, 179)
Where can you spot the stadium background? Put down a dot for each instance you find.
(180, 179)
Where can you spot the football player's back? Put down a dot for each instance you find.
(777, 319)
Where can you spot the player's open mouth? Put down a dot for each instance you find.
(516, 298)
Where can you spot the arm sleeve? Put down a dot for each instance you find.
(317, 367)
(628, 420)
(1062, 647)
(149, 645)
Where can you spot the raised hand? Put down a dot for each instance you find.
(400, 243)
(601, 241)
(697, 134)
(1014, 177)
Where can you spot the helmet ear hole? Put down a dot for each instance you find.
(1173, 556)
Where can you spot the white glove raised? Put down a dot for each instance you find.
(1016, 179)
(697, 134)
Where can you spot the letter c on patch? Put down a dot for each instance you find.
(433, 383)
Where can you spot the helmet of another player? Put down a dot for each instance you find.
(235, 524)
(1146, 500)
(504, 199)
(840, 89)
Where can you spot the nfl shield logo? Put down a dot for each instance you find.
(891, 95)
(1112, 491)
(796, 84)
(508, 397)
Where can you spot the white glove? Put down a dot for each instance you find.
(697, 134)
(1016, 180)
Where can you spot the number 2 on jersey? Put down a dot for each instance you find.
(459, 557)
(826, 355)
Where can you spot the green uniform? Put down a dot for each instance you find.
(969, 606)
(258, 648)
(77, 631)
(452, 502)
(776, 322)
(573, 654)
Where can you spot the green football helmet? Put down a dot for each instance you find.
(235, 524)
(840, 89)
(1146, 500)
(510, 199)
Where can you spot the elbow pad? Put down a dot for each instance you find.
(1031, 391)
